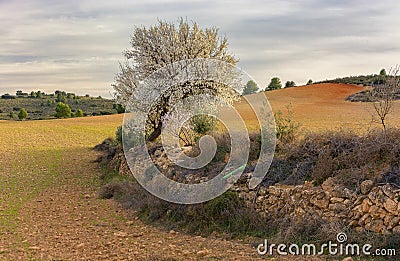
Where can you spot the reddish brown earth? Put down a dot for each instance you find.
(322, 106)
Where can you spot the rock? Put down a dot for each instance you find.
(365, 205)
(320, 200)
(120, 234)
(337, 207)
(273, 190)
(262, 192)
(203, 252)
(341, 192)
(364, 219)
(366, 186)
(387, 220)
(353, 223)
(390, 206)
(388, 190)
(348, 259)
(396, 230)
(336, 200)
(320, 203)
(372, 195)
(377, 212)
(157, 153)
(227, 156)
(375, 225)
(394, 222)
(328, 184)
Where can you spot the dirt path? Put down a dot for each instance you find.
(68, 222)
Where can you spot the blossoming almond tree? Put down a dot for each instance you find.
(165, 44)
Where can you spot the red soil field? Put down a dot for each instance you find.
(322, 106)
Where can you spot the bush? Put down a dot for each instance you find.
(22, 114)
(119, 108)
(203, 124)
(118, 135)
(63, 110)
(344, 155)
(287, 128)
(79, 113)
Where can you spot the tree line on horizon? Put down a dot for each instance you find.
(276, 84)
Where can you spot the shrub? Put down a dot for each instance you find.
(119, 108)
(79, 113)
(118, 135)
(287, 128)
(22, 114)
(203, 124)
(344, 155)
(63, 110)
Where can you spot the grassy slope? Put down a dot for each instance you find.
(39, 108)
(32, 154)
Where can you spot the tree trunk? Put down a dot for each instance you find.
(156, 133)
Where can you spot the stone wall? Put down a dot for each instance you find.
(375, 208)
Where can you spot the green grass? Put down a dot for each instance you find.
(34, 155)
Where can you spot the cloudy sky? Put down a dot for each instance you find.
(76, 45)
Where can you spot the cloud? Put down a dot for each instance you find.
(76, 45)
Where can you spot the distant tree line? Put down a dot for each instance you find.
(61, 101)
(366, 80)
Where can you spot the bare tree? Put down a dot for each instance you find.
(384, 96)
(164, 44)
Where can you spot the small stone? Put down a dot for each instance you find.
(388, 190)
(227, 156)
(363, 219)
(337, 200)
(337, 207)
(348, 259)
(120, 234)
(394, 222)
(157, 153)
(274, 191)
(365, 205)
(203, 252)
(81, 245)
(390, 206)
(328, 184)
(366, 186)
(353, 223)
(396, 230)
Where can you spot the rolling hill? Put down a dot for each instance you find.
(321, 106)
